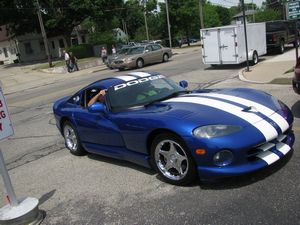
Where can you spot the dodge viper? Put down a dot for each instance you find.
(152, 121)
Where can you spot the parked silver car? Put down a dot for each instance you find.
(116, 56)
(138, 56)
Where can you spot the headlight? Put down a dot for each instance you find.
(223, 158)
(129, 60)
(215, 131)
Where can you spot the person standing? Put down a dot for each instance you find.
(67, 60)
(113, 50)
(104, 54)
(73, 62)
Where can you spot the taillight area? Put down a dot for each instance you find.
(274, 38)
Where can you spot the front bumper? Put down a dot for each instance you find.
(273, 151)
(296, 86)
(124, 65)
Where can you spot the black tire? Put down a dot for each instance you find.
(254, 60)
(165, 57)
(166, 164)
(72, 140)
(140, 63)
(281, 47)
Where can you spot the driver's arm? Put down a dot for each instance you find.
(95, 98)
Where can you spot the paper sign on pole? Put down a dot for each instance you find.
(6, 128)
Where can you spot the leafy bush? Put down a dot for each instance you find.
(81, 51)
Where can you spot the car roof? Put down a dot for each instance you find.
(112, 81)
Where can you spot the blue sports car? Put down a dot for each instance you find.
(150, 120)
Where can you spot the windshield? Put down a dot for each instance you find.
(137, 50)
(142, 91)
(123, 51)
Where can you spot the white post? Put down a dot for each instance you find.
(7, 182)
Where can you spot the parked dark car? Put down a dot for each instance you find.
(296, 79)
(279, 33)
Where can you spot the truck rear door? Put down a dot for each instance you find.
(210, 48)
(228, 45)
(219, 46)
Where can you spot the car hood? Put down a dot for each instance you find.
(240, 107)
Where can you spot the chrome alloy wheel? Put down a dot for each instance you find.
(171, 160)
(70, 138)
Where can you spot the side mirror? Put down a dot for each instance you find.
(97, 107)
(183, 84)
(146, 50)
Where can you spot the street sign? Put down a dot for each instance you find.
(293, 10)
(6, 128)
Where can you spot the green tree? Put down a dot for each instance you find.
(224, 15)
(60, 17)
(267, 15)
(211, 16)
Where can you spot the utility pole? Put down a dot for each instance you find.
(43, 33)
(145, 18)
(245, 31)
(201, 14)
(169, 27)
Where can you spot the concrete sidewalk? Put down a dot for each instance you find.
(268, 71)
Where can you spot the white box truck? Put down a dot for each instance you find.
(226, 45)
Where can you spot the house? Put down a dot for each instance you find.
(238, 18)
(120, 35)
(8, 47)
(30, 47)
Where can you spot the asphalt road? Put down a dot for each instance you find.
(98, 190)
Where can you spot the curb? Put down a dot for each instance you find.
(242, 78)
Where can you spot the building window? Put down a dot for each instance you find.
(28, 48)
(53, 44)
(61, 43)
(5, 52)
(83, 39)
(42, 46)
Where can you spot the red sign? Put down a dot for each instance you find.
(6, 128)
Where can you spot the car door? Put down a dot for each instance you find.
(96, 128)
(147, 56)
(157, 53)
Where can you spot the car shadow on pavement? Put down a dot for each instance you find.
(296, 109)
(248, 179)
(232, 66)
(121, 163)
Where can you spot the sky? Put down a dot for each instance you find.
(229, 3)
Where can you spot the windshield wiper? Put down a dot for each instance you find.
(174, 94)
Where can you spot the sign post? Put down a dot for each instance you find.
(6, 130)
(293, 13)
(23, 211)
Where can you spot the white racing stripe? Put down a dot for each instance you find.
(266, 146)
(263, 126)
(278, 119)
(140, 74)
(126, 78)
(283, 148)
(268, 157)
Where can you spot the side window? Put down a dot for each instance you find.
(149, 48)
(156, 47)
(89, 94)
